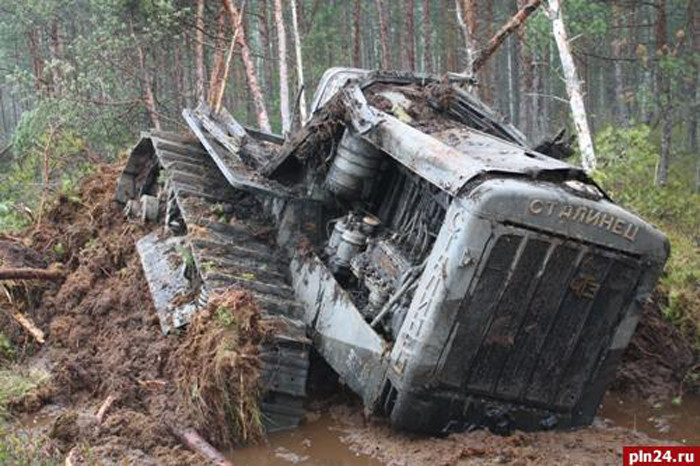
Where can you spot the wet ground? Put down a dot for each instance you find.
(677, 422)
(329, 440)
(317, 443)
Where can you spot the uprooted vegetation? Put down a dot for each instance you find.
(104, 341)
(217, 369)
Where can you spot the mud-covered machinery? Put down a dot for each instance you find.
(452, 276)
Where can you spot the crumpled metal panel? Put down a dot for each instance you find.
(339, 332)
(163, 267)
(230, 164)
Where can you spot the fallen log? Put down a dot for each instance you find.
(192, 440)
(104, 408)
(29, 326)
(30, 274)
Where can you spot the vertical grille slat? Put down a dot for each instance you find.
(473, 318)
(606, 311)
(500, 337)
(563, 335)
(540, 316)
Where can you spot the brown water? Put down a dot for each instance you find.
(679, 423)
(316, 443)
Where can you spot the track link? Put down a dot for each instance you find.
(228, 235)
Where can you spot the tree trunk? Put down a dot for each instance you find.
(573, 87)
(663, 87)
(282, 59)
(692, 142)
(356, 35)
(217, 69)
(56, 55)
(410, 36)
(383, 36)
(486, 73)
(179, 77)
(251, 74)
(466, 15)
(527, 100)
(618, 47)
(30, 274)
(427, 38)
(221, 86)
(512, 25)
(149, 98)
(266, 43)
(37, 61)
(199, 51)
(5, 130)
(299, 62)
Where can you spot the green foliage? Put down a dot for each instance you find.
(224, 316)
(25, 448)
(7, 349)
(626, 166)
(16, 383)
(46, 137)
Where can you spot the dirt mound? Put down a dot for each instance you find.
(103, 336)
(660, 362)
(218, 370)
(104, 341)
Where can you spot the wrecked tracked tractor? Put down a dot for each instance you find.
(452, 276)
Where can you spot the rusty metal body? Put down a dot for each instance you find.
(452, 276)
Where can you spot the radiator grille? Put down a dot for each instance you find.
(538, 319)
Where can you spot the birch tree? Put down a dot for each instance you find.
(573, 87)
(282, 60)
(299, 62)
(465, 19)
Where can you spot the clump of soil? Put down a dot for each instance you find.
(660, 362)
(217, 368)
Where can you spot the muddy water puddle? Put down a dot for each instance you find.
(316, 443)
(668, 421)
(319, 442)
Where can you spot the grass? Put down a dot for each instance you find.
(19, 446)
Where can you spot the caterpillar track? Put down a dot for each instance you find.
(215, 237)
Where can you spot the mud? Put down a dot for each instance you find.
(104, 340)
(661, 362)
(103, 336)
